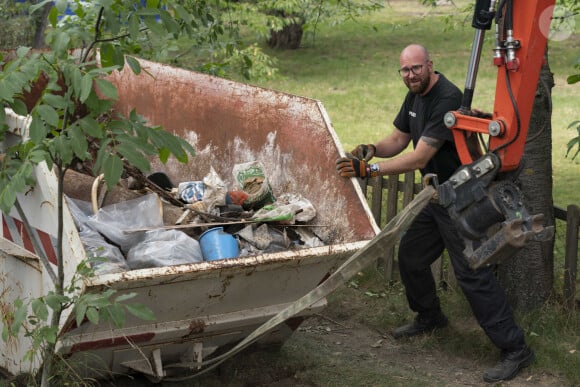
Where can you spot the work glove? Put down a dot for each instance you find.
(351, 167)
(364, 152)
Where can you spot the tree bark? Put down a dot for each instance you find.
(40, 23)
(529, 277)
(289, 37)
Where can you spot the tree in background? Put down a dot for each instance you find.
(529, 276)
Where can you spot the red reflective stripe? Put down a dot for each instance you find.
(5, 231)
(26, 242)
(25, 236)
(49, 249)
(112, 342)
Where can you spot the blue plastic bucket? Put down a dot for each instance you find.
(217, 244)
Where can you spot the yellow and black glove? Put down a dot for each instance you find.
(364, 152)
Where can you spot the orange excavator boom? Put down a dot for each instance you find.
(482, 194)
(521, 35)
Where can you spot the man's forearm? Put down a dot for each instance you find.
(393, 144)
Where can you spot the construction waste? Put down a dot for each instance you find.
(245, 220)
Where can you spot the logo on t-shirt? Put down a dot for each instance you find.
(412, 114)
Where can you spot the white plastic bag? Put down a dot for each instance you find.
(164, 248)
(113, 220)
(104, 257)
(215, 190)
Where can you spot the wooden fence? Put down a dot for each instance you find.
(389, 194)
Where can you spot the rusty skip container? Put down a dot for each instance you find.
(206, 306)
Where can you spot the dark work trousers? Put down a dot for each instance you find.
(431, 232)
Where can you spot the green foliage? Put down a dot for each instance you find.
(566, 20)
(237, 28)
(69, 99)
(33, 316)
(263, 17)
(65, 92)
(553, 333)
(214, 46)
(12, 15)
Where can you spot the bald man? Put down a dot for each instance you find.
(420, 121)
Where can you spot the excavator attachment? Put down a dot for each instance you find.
(482, 196)
(512, 236)
(490, 213)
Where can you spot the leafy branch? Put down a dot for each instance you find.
(69, 104)
(33, 315)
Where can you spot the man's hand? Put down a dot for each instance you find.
(350, 167)
(364, 152)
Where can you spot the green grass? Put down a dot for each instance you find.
(550, 330)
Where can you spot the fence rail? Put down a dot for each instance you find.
(389, 194)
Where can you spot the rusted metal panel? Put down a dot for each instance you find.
(200, 307)
(229, 122)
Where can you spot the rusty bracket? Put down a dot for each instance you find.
(511, 237)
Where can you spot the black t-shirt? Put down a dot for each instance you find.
(423, 116)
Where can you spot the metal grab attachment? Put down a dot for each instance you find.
(511, 237)
(490, 214)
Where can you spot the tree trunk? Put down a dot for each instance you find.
(529, 277)
(289, 37)
(40, 23)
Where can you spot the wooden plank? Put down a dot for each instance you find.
(408, 188)
(283, 223)
(392, 209)
(571, 258)
(377, 197)
(560, 213)
(392, 197)
(376, 184)
(363, 185)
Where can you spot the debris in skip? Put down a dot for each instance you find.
(212, 221)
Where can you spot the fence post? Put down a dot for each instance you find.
(376, 184)
(392, 201)
(571, 259)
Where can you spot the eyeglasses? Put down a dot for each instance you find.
(415, 69)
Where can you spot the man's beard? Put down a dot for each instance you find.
(418, 88)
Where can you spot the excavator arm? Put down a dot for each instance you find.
(482, 196)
